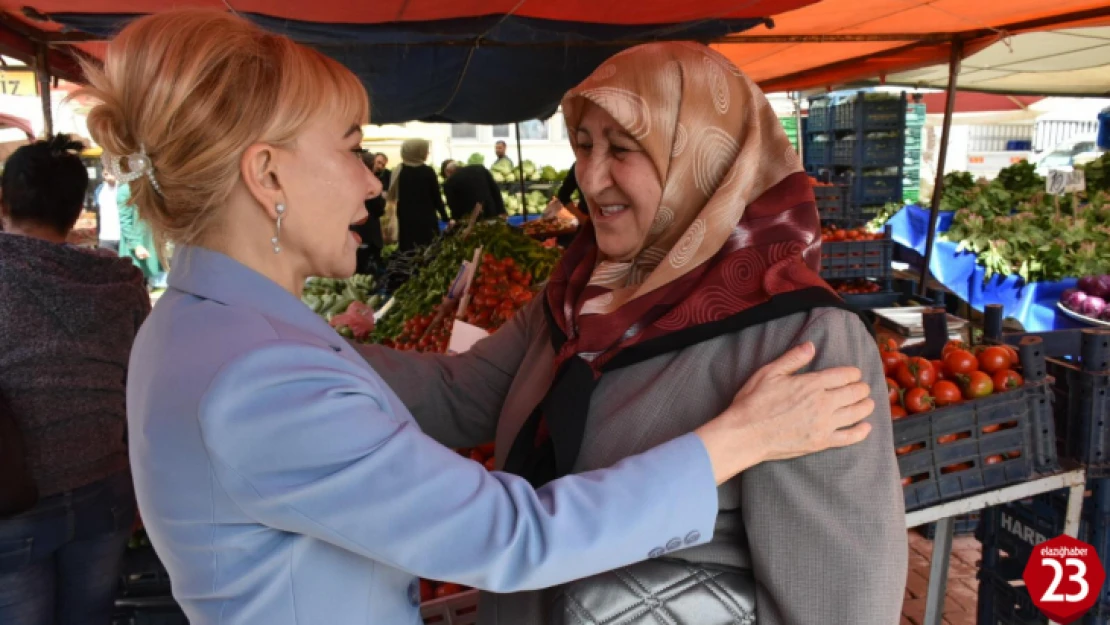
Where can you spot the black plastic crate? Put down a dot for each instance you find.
(1079, 364)
(1010, 531)
(841, 260)
(876, 190)
(1004, 603)
(863, 114)
(143, 575)
(818, 154)
(972, 460)
(818, 118)
(871, 301)
(832, 201)
(863, 152)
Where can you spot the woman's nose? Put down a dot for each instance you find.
(375, 186)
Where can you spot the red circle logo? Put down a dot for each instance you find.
(1064, 577)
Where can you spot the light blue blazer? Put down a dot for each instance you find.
(281, 481)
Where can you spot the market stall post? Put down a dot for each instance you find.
(42, 75)
(938, 186)
(520, 168)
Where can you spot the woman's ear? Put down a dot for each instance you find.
(259, 171)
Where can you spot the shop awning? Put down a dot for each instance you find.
(837, 42)
(472, 61)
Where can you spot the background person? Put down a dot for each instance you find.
(68, 317)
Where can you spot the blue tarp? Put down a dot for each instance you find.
(1034, 304)
(482, 70)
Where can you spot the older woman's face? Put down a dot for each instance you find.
(618, 181)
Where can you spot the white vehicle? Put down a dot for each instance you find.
(1077, 150)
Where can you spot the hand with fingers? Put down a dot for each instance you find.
(781, 414)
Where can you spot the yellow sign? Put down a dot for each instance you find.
(17, 82)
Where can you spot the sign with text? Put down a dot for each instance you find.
(17, 83)
(1064, 577)
(1061, 182)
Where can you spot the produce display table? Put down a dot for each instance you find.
(1034, 305)
(944, 516)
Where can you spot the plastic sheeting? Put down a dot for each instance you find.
(1032, 304)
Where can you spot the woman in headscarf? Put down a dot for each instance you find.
(699, 265)
(414, 191)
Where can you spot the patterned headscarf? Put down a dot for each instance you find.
(735, 241)
(737, 222)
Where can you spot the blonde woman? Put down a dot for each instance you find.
(280, 479)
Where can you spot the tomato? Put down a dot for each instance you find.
(893, 391)
(888, 345)
(1013, 454)
(916, 373)
(427, 591)
(948, 438)
(906, 481)
(446, 590)
(941, 370)
(953, 468)
(918, 400)
(1015, 358)
(897, 412)
(490, 465)
(994, 359)
(891, 361)
(946, 393)
(477, 456)
(993, 459)
(952, 346)
(976, 384)
(960, 361)
(1006, 380)
(991, 429)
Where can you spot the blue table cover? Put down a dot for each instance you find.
(1032, 304)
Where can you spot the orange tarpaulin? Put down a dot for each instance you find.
(907, 34)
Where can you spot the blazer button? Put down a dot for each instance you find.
(673, 544)
(655, 553)
(414, 593)
(693, 537)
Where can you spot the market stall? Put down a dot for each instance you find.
(472, 279)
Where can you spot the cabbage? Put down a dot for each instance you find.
(1073, 299)
(1092, 306)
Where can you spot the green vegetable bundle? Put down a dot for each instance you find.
(421, 294)
(328, 297)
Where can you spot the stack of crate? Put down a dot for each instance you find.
(859, 140)
(915, 127)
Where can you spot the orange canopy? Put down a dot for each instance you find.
(873, 38)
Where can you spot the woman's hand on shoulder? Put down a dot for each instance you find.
(780, 414)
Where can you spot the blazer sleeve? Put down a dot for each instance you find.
(827, 531)
(457, 399)
(306, 441)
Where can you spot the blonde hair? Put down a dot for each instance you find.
(195, 88)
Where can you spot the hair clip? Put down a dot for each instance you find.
(137, 165)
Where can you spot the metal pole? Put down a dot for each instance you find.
(945, 134)
(520, 168)
(42, 73)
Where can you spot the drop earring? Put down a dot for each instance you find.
(280, 208)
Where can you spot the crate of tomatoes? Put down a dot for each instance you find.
(855, 253)
(971, 420)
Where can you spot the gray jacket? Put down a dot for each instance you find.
(68, 317)
(824, 535)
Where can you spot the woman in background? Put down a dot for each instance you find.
(414, 190)
(68, 317)
(136, 241)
